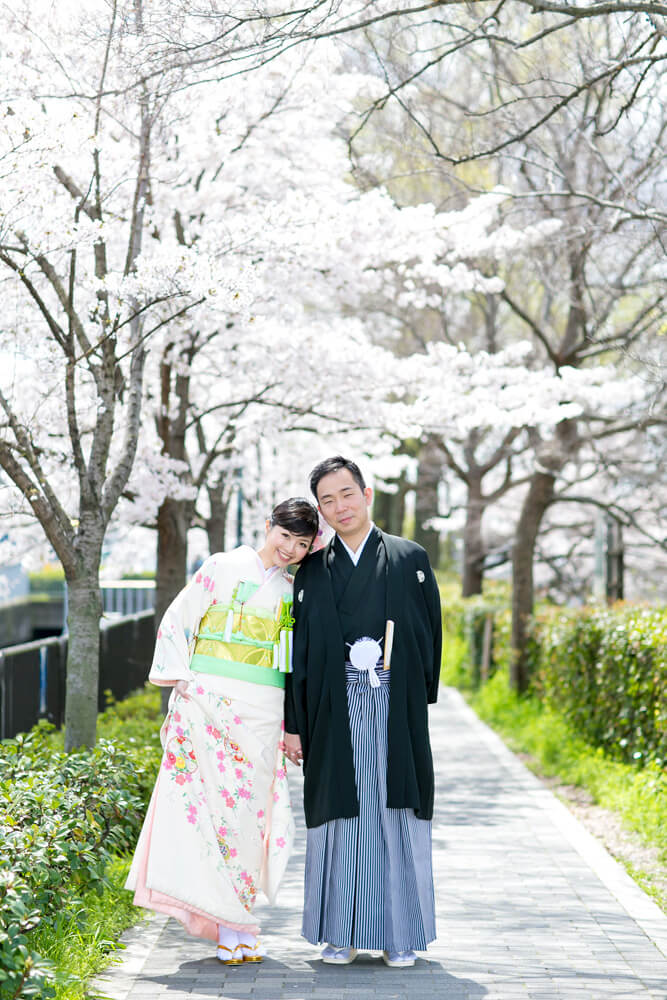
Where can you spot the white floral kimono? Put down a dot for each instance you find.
(219, 825)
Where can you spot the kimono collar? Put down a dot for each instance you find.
(355, 555)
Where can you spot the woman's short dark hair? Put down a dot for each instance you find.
(333, 465)
(296, 515)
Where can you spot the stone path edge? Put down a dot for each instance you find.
(138, 941)
(637, 904)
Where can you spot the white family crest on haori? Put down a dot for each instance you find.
(300, 596)
(365, 654)
(420, 575)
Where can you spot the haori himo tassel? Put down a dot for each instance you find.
(366, 654)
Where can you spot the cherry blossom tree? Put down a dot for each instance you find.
(215, 292)
(85, 288)
(414, 45)
(319, 248)
(585, 155)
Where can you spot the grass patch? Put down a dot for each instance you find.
(453, 670)
(83, 942)
(637, 795)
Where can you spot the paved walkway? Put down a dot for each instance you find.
(529, 906)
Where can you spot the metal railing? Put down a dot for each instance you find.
(127, 597)
(33, 675)
(45, 613)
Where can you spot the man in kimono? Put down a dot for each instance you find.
(366, 664)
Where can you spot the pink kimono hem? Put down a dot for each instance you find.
(195, 921)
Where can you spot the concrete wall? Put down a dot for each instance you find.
(22, 618)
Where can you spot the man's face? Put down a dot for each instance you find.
(343, 503)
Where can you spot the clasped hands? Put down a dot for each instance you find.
(293, 750)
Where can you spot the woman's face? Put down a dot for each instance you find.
(284, 547)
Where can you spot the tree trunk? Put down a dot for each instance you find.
(539, 496)
(389, 508)
(83, 654)
(615, 560)
(172, 553)
(172, 557)
(382, 502)
(216, 524)
(473, 546)
(426, 498)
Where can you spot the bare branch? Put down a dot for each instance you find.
(38, 491)
(57, 332)
(621, 514)
(530, 322)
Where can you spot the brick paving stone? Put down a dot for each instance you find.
(529, 907)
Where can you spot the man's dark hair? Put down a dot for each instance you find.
(296, 515)
(333, 465)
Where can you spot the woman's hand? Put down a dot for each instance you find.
(293, 749)
(181, 688)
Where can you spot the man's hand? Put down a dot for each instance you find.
(293, 750)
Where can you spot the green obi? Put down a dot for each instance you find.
(250, 644)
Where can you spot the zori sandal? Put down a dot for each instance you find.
(251, 952)
(230, 956)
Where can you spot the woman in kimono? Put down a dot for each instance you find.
(219, 825)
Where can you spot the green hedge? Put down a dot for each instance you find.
(63, 818)
(463, 625)
(49, 580)
(606, 670)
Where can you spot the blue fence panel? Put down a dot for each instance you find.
(127, 597)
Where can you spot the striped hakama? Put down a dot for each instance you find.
(368, 880)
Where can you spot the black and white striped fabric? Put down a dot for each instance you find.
(369, 879)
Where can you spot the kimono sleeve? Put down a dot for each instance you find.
(295, 681)
(176, 634)
(431, 593)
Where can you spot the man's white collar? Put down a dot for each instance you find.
(355, 554)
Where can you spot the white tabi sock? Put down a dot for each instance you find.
(247, 939)
(227, 938)
(250, 946)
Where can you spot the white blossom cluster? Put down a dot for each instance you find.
(244, 261)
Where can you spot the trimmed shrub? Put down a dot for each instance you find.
(48, 580)
(603, 669)
(606, 670)
(62, 819)
(464, 620)
(23, 973)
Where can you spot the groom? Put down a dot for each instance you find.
(366, 664)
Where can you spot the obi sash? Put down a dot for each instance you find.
(247, 643)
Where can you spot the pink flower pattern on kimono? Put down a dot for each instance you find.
(246, 892)
(224, 743)
(207, 581)
(179, 756)
(221, 743)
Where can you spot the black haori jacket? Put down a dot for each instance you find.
(316, 696)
